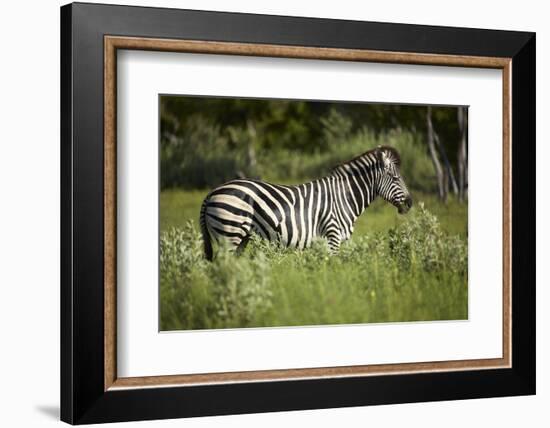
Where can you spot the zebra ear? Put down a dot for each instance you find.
(379, 154)
(382, 156)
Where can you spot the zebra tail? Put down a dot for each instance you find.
(208, 253)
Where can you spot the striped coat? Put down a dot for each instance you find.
(296, 215)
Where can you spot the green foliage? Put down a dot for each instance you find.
(336, 127)
(198, 157)
(422, 242)
(413, 272)
(184, 293)
(208, 295)
(241, 290)
(208, 141)
(288, 166)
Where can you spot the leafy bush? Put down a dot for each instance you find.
(201, 156)
(291, 166)
(422, 242)
(241, 291)
(336, 127)
(198, 153)
(183, 288)
(414, 271)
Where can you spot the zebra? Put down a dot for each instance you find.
(295, 215)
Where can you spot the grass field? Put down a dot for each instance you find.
(395, 268)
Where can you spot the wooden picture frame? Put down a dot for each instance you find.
(91, 390)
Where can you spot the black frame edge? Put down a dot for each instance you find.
(524, 215)
(66, 315)
(304, 31)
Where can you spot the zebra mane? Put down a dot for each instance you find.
(391, 152)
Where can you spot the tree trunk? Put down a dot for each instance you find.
(251, 149)
(433, 154)
(450, 179)
(462, 158)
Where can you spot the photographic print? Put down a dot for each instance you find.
(277, 212)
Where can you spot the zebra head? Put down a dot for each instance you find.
(391, 185)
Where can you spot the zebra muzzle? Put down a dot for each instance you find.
(405, 206)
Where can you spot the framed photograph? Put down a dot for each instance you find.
(265, 213)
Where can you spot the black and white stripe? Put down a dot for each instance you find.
(296, 215)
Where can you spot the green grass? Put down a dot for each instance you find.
(395, 268)
(179, 206)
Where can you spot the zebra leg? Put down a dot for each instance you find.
(333, 244)
(332, 233)
(228, 234)
(207, 241)
(242, 245)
